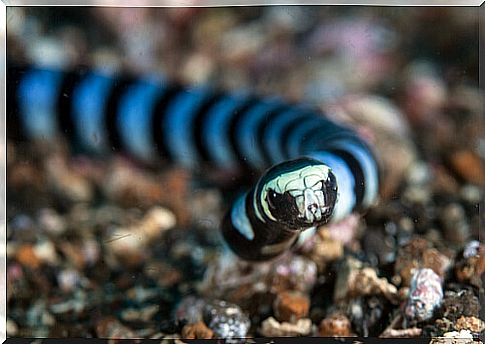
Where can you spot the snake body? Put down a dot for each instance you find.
(313, 170)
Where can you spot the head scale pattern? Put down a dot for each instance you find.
(298, 194)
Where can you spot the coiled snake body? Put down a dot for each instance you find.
(319, 171)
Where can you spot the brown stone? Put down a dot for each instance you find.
(27, 257)
(470, 323)
(197, 330)
(291, 306)
(417, 254)
(467, 165)
(336, 325)
(470, 270)
(436, 261)
(110, 327)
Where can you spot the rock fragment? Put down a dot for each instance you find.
(425, 295)
(197, 330)
(227, 320)
(291, 306)
(335, 325)
(272, 328)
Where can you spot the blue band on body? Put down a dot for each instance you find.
(89, 104)
(216, 130)
(37, 97)
(178, 128)
(135, 118)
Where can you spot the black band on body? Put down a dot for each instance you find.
(288, 129)
(64, 103)
(270, 238)
(233, 126)
(112, 106)
(269, 119)
(322, 136)
(159, 122)
(14, 124)
(198, 125)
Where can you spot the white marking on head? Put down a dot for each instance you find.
(312, 207)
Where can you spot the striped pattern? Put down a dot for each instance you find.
(153, 119)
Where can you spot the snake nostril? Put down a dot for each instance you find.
(313, 208)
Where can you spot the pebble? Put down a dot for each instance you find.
(26, 176)
(272, 328)
(68, 279)
(335, 325)
(468, 165)
(11, 328)
(355, 280)
(110, 327)
(197, 69)
(294, 272)
(402, 333)
(38, 315)
(343, 232)
(323, 249)
(91, 252)
(190, 309)
(76, 304)
(369, 314)
(417, 254)
(378, 112)
(425, 295)
(140, 294)
(197, 330)
(472, 324)
(67, 181)
(455, 223)
(436, 261)
(240, 281)
(454, 337)
(156, 221)
(26, 256)
(205, 207)
(472, 249)
(51, 222)
(236, 280)
(240, 43)
(291, 306)
(144, 314)
(73, 254)
(471, 266)
(444, 183)
(227, 320)
(379, 246)
(45, 251)
(132, 187)
(129, 244)
(471, 193)
(462, 303)
(165, 274)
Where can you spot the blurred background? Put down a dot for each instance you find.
(405, 78)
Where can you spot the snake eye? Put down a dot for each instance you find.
(274, 199)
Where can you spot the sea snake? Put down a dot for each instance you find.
(312, 170)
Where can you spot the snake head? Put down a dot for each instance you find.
(299, 194)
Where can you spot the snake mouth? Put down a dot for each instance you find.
(316, 215)
(312, 207)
